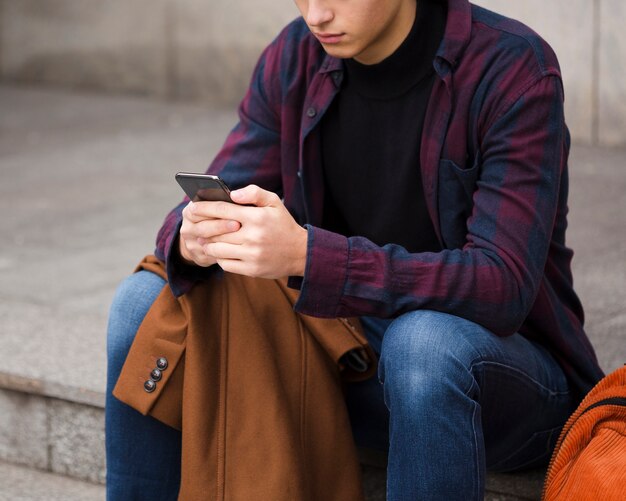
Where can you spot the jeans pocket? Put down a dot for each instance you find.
(533, 453)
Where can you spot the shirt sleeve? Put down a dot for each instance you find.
(250, 155)
(494, 278)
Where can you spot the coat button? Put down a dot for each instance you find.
(149, 386)
(162, 363)
(156, 375)
(311, 112)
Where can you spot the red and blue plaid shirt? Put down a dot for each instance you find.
(494, 168)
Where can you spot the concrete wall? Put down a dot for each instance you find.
(201, 49)
(590, 42)
(205, 49)
(570, 32)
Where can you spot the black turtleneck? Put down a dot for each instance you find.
(371, 141)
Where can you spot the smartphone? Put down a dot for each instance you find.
(203, 187)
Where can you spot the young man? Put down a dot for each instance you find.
(405, 162)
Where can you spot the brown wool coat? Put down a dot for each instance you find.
(255, 388)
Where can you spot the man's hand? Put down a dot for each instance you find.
(196, 230)
(269, 243)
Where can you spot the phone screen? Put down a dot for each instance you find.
(203, 187)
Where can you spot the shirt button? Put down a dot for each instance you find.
(156, 375)
(162, 363)
(311, 112)
(149, 386)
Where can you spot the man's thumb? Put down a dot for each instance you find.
(253, 195)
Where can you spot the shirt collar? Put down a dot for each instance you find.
(455, 38)
(457, 34)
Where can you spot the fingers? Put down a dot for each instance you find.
(196, 226)
(236, 238)
(223, 250)
(199, 211)
(195, 212)
(253, 195)
(250, 195)
(192, 252)
(207, 229)
(195, 231)
(238, 267)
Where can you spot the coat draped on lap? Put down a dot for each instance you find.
(255, 388)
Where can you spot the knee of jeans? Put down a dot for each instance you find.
(425, 353)
(131, 302)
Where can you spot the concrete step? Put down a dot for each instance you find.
(67, 438)
(85, 182)
(52, 434)
(19, 483)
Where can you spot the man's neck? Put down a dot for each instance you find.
(392, 37)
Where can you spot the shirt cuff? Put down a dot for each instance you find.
(180, 275)
(321, 289)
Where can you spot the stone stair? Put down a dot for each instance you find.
(20, 483)
(85, 181)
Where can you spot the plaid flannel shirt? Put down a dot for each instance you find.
(494, 167)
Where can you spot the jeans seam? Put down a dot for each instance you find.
(472, 381)
(520, 374)
(476, 454)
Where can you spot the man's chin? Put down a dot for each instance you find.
(339, 51)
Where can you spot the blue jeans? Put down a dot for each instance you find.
(454, 401)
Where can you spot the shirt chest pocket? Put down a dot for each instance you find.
(456, 187)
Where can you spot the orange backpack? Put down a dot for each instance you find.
(589, 461)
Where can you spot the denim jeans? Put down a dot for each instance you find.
(451, 401)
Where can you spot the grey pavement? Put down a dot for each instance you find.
(85, 181)
(19, 483)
